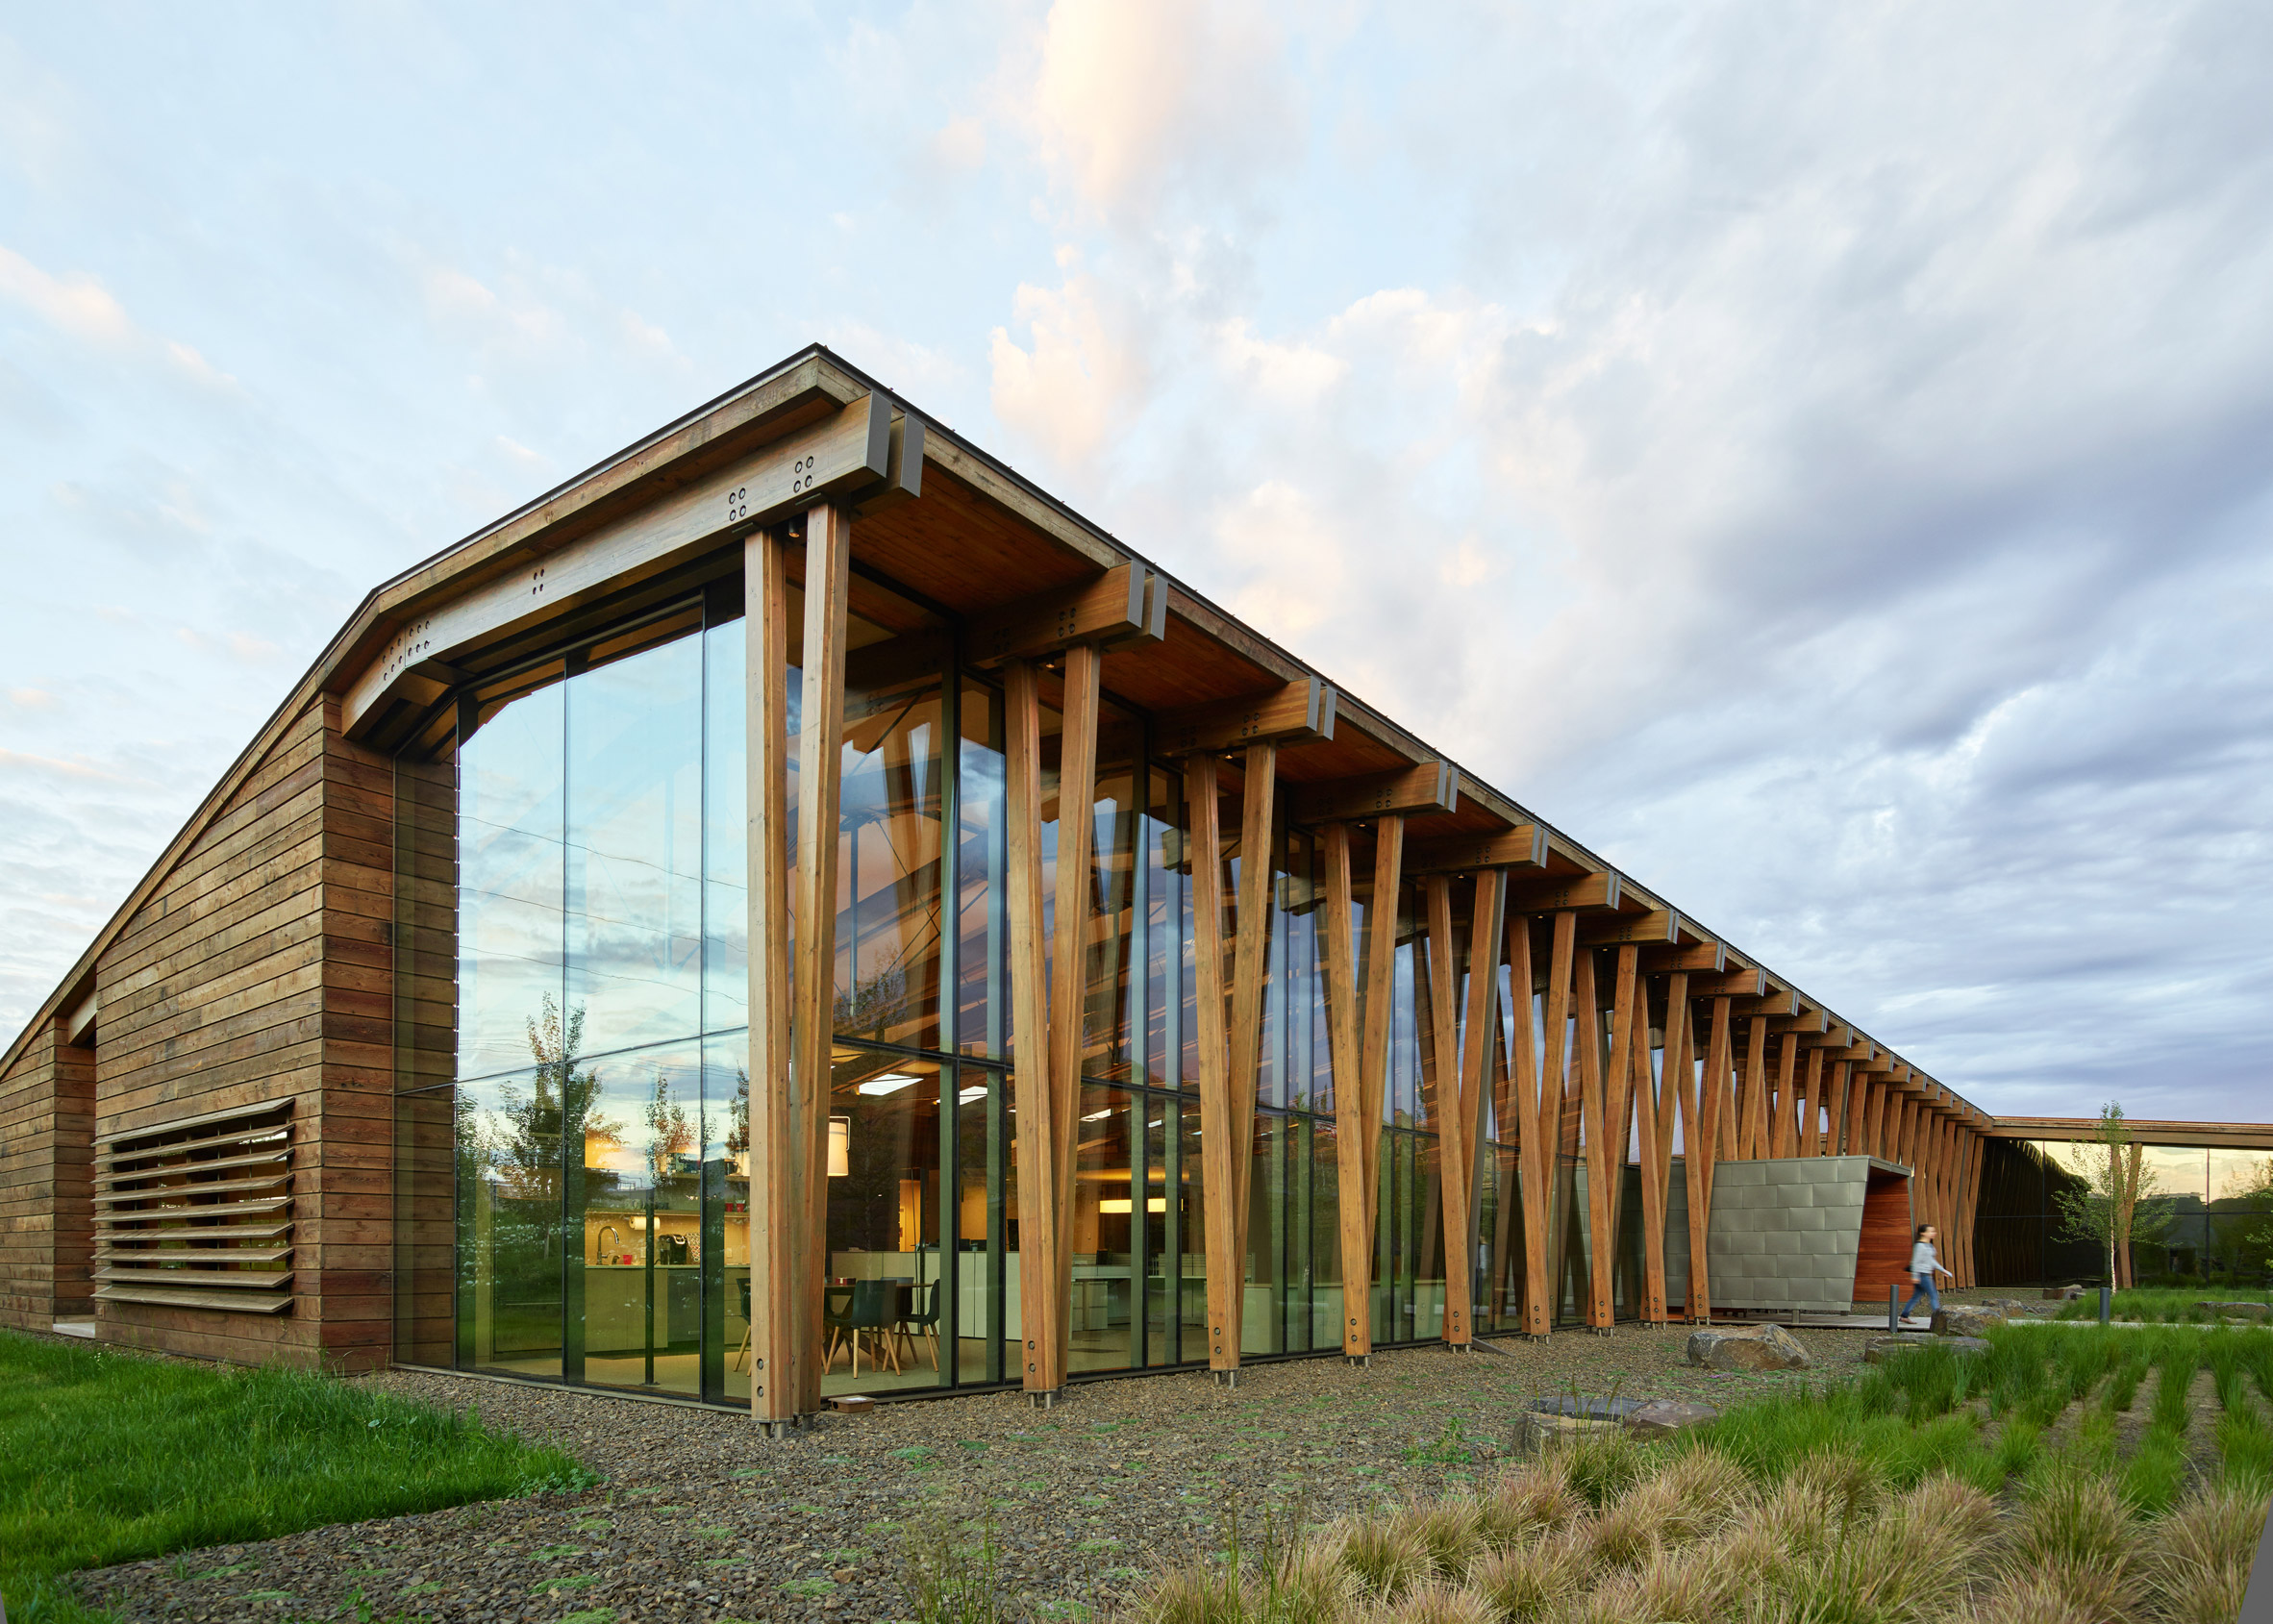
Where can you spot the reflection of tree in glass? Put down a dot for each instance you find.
(669, 1134)
(2118, 1207)
(2244, 1212)
(738, 1135)
(868, 1006)
(557, 1112)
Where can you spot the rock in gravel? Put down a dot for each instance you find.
(1959, 1321)
(1880, 1349)
(1662, 1417)
(1757, 1347)
(1535, 1432)
(2260, 1311)
(2062, 1293)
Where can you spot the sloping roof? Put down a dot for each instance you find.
(625, 477)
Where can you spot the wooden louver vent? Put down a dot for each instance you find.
(197, 1213)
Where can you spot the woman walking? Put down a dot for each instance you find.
(1924, 1265)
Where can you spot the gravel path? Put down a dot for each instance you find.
(702, 1518)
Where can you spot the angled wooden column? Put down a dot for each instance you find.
(1976, 1149)
(1602, 1172)
(781, 1345)
(1874, 1102)
(1717, 1104)
(1436, 1020)
(1463, 1124)
(1811, 1094)
(1755, 1144)
(1229, 1160)
(1338, 930)
(1534, 1154)
(1630, 1031)
(1785, 1114)
(1675, 1067)
(1356, 1109)
(1218, 1141)
(1834, 1131)
(1555, 1071)
(1032, 1093)
(1704, 1110)
(1070, 967)
(821, 767)
(1380, 1010)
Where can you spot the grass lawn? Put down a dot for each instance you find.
(108, 1456)
(2162, 1305)
(2057, 1479)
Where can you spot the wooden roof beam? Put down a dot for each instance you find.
(1428, 786)
(1299, 710)
(1522, 847)
(1659, 926)
(1708, 956)
(1733, 982)
(1576, 893)
(1118, 607)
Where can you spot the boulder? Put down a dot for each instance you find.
(1662, 1417)
(1755, 1347)
(2256, 1312)
(2062, 1293)
(1535, 1431)
(1958, 1320)
(1880, 1349)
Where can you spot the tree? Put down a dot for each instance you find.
(2119, 1207)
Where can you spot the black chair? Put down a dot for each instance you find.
(925, 1324)
(868, 1312)
(743, 1352)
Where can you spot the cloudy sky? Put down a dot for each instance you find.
(1821, 457)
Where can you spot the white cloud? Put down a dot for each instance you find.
(1079, 375)
(75, 304)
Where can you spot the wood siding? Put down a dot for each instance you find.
(46, 1191)
(259, 969)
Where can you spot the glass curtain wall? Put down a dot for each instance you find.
(2219, 1205)
(572, 1023)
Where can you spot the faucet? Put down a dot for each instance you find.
(600, 1249)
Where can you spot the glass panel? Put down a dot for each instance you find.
(1190, 1197)
(635, 844)
(634, 1208)
(981, 1224)
(726, 1217)
(888, 925)
(982, 1000)
(2241, 1229)
(511, 932)
(1325, 1238)
(1106, 1229)
(509, 1224)
(726, 868)
(883, 1305)
(1264, 1310)
(1109, 978)
(1171, 1061)
(1432, 1260)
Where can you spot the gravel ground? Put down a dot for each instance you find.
(703, 1518)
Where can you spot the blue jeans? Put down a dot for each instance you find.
(1925, 1289)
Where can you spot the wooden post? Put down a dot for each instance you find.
(1534, 1153)
(1070, 966)
(1594, 1107)
(1629, 1033)
(1786, 1112)
(1218, 1135)
(1349, 1093)
(821, 767)
(1811, 1141)
(1253, 923)
(1463, 1124)
(1697, 1128)
(1555, 1056)
(1756, 1071)
(779, 1346)
(1718, 1107)
(1033, 1092)
(1836, 1115)
(1436, 1020)
(1380, 993)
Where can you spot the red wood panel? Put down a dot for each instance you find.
(1882, 1259)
